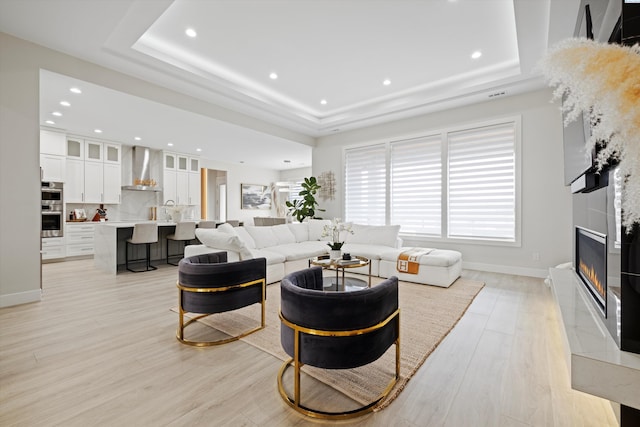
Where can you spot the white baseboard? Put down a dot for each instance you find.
(20, 298)
(507, 269)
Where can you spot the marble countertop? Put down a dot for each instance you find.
(132, 222)
(597, 364)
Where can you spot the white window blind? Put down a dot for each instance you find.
(365, 185)
(416, 185)
(482, 183)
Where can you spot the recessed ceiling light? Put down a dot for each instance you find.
(477, 54)
(65, 104)
(57, 114)
(97, 130)
(75, 90)
(137, 138)
(170, 144)
(190, 32)
(323, 102)
(50, 122)
(273, 76)
(198, 149)
(386, 82)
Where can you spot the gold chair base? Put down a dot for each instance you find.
(343, 415)
(182, 339)
(182, 324)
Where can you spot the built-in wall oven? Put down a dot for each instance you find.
(52, 209)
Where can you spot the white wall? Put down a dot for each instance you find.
(19, 151)
(546, 203)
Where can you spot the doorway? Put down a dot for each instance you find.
(216, 205)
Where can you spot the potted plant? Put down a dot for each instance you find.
(334, 230)
(307, 206)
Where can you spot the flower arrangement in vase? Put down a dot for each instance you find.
(333, 230)
(601, 80)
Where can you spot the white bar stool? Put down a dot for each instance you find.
(143, 233)
(185, 232)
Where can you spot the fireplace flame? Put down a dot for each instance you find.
(590, 273)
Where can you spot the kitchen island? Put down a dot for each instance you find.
(110, 241)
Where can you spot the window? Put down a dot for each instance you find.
(416, 185)
(458, 184)
(482, 188)
(365, 185)
(295, 188)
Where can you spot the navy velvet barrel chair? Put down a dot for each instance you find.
(336, 330)
(208, 284)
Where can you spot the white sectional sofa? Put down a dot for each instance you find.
(288, 247)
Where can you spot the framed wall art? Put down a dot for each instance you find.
(255, 196)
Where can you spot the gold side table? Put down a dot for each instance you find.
(340, 265)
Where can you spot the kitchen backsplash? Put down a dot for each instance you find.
(135, 205)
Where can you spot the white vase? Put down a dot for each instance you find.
(335, 254)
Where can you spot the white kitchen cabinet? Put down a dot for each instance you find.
(169, 186)
(79, 238)
(181, 179)
(194, 189)
(182, 163)
(94, 174)
(93, 151)
(53, 167)
(169, 160)
(182, 188)
(52, 143)
(112, 183)
(75, 148)
(93, 182)
(194, 165)
(112, 153)
(52, 155)
(74, 182)
(53, 248)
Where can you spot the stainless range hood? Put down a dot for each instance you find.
(141, 177)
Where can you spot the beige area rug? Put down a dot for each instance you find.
(427, 314)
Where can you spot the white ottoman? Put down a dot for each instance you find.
(440, 267)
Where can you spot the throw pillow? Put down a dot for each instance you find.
(316, 226)
(217, 240)
(226, 228)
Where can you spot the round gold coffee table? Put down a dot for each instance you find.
(348, 283)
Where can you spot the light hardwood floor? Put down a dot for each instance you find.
(101, 350)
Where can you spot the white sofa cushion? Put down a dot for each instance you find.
(272, 257)
(382, 235)
(245, 237)
(302, 250)
(316, 227)
(263, 236)
(284, 235)
(366, 250)
(223, 241)
(227, 228)
(300, 230)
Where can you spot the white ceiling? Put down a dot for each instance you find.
(339, 51)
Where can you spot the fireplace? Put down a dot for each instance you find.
(591, 265)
